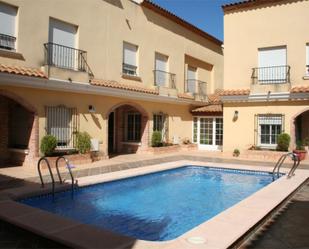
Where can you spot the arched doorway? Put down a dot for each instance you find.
(301, 127)
(18, 131)
(127, 129)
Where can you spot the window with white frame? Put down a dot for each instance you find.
(8, 15)
(133, 127)
(61, 122)
(129, 66)
(161, 68)
(195, 127)
(269, 127)
(307, 59)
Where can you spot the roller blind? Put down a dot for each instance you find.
(62, 33)
(307, 54)
(161, 62)
(7, 19)
(269, 57)
(129, 54)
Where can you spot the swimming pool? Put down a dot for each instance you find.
(158, 206)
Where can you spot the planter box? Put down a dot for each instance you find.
(172, 148)
(74, 159)
(262, 154)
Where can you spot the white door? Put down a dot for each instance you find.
(161, 70)
(63, 37)
(209, 133)
(272, 65)
(191, 79)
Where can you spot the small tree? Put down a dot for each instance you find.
(83, 142)
(156, 139)
(283, 142)
(48, 145)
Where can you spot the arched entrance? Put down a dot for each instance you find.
(18, 130)
(301, 127)
(127, 129)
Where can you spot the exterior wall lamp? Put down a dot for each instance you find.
(91, 109)
(235, 117)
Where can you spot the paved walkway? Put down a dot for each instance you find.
(288, 229)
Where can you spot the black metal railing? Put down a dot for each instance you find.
(166, 79)
(197, 88)
(271, 75)
(7, 42)
(66, 57)
(129, 69)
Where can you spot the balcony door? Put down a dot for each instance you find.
(272, 65)
(191, 79)
(62, 44)
(208, 132)
(161, 68)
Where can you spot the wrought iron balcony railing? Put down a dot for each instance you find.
(129, 69)
(197, 88)
(66, 57)
(7, 42)
(271, 75)
(166, 79)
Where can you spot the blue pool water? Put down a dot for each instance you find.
(159, 206)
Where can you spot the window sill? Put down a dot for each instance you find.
(11, 54)
(131, 77)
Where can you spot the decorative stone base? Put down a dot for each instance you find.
(171, 149)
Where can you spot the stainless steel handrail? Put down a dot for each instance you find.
(280, 162)
(50, 172)
(70, 171)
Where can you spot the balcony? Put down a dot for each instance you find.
(270, 79)
(197, 88)
(7, 42)
(64, 57)
(271, 75)
(164, 79)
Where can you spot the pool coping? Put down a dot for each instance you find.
(233, 222)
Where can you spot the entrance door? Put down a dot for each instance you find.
(111, 132)
(209, 132)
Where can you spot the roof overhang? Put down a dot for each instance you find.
(86, 88)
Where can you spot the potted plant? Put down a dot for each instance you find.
(300, 150)
(283, 142)
(236, 153)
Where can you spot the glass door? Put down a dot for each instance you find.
(208, 132)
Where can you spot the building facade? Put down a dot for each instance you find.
(116, 69)
(266, 73)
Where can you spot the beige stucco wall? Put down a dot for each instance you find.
(246, 30)
(180, 119)
(103, 26)
(240, 134)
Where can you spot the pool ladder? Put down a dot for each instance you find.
(69, 167)
(296, 162)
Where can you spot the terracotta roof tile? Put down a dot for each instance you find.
(26, 71)
(209, 108)
(300, 89)
(215, 98)
(115, 84)
(247, 4)
(185, 96)
(231, 92)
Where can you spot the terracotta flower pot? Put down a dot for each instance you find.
(301, 154)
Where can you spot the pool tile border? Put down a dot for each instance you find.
(233, 222)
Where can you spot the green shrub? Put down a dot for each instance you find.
(283, 142)
(83, 142)
(48, 145)
(300, 145)
(156, 139)
(306, 141)
(236, 152)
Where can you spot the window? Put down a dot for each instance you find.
(61, 122)
(307, 59)
(269, 127)
(8, 27)
(191, 79)
(133, 125)
(195, 125)
(129, 66)
(159, 124)
(62, 45)
(272, 65)
(161, 68)
(219, 131)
